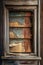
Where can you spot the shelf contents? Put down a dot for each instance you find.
(27, 45)
(20, 21)
(20, 46)
(16, 47)
(13, 13)
(20, 31)
(12, 35)
(27, 33)
(15, 24)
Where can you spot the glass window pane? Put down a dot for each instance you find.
(21, 31)
(20, 45)
(21, 19)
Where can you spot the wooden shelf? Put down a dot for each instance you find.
(21, 16)
(20, 27)
(29, 58)
(20, 38)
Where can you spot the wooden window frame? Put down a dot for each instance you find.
(25, 6)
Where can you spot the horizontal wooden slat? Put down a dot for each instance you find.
(21, 2)
(30, 58)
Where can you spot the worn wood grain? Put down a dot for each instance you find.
(41, 30)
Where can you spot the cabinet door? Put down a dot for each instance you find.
(21, 30)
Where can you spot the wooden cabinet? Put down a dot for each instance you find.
(21, 31)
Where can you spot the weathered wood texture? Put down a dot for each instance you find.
(41, 32)
(1, 30)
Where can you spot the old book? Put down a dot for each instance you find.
(28, 20)
(27, 33)
(27, 45)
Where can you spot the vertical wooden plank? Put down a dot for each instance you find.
(1, 34)
(41, 31)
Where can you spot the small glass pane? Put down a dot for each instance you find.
(21, 19)
(21, 31)
(20, 45)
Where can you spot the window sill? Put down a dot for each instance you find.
(29, 58)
